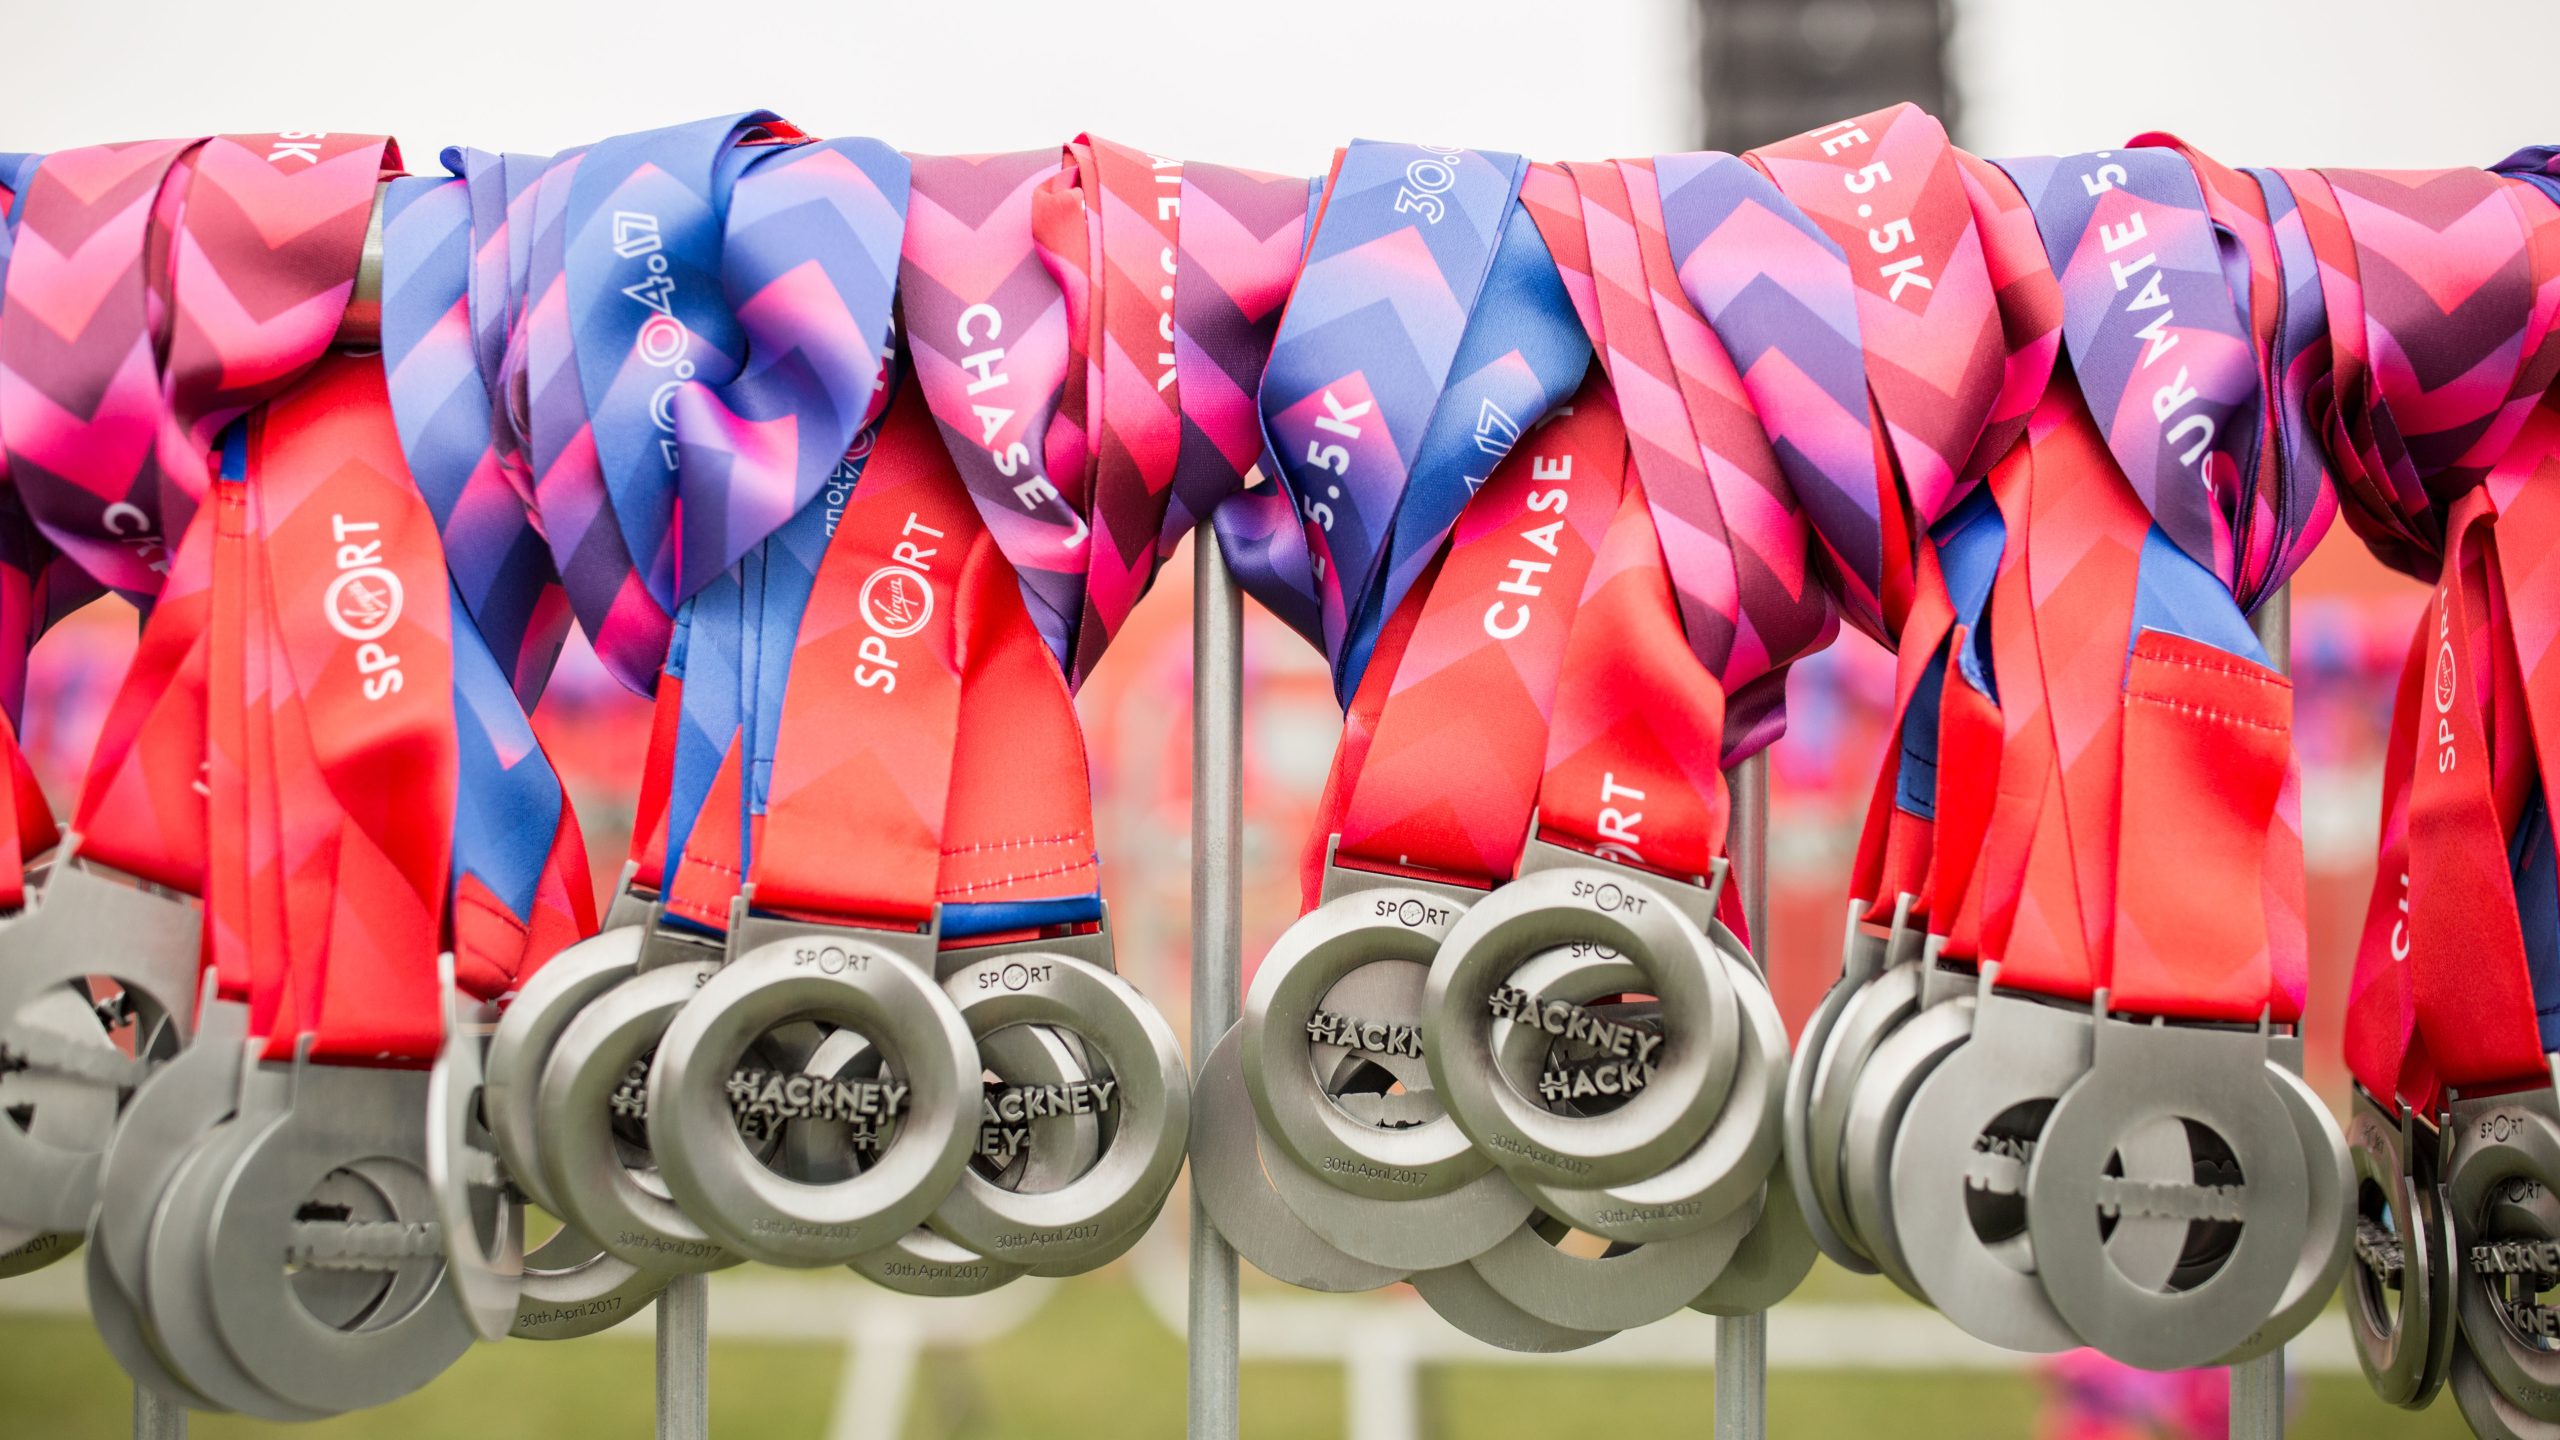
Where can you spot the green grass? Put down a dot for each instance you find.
(1095, 1365)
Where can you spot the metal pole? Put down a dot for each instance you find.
(156, 1416)
(684, 1359)
(1742, 1341)
(2257, 1386)
(1217, 944)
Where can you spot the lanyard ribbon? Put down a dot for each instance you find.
(671, 338)
(1090, 327)
(926, 753)
(156, 291)
(1426, 332)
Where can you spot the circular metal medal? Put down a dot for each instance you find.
(176, 1297)
(1862, 956)
(1348, 978)
(2487, 1410)
(1875, 1011)
(1232, 1180)
(1730, 1165)
(481, 1216)
(1470, 987)
(604, 1180)
(1885, 1084)
(2332, 1231)
(1136, 1075)
(1462, 1297)
(521, 1048)
(352, 1145)
(1772, 1261)
(841, 980)
(173, 1110)
(2506, 1153)
(2400, 1296)
(2215, 1083)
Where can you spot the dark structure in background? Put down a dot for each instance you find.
(1774, 68)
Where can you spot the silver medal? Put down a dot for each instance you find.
(2506, 1155)
(878, 982)
(1136, 1077)
(1346, 982)
(2215, 1083)
(1863, 954)
(1584, 902)
(338, 1184)
(1720, 1178)
(481, 1214)
(2400, 1291)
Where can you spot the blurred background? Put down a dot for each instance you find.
(2361, 82)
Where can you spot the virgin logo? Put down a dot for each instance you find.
(363, 604)
(2444, 678)
(896, 602)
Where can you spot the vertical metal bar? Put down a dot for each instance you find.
(1742, 1341)
(2257, 1386)
(156, 1416)
(684, 1359)
(1217, 944)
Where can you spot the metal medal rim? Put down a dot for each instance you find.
(1862, 958)
(1461, 1296)
(2529, 1151)
(1338, 938)
(1772, 1261)
(573, 1108)
(1893, 1073)
(1427, 1232)
(485, 1271)
(176, 1297)
(568, 1280)
(119, 1323)
(543, 1008)
(1231, 1183)
(2139, 1073)
(173, 1109)
(1542, 911)
(77, 918)
(1137, 1167)
(2486, 1409)
(2019, 1051)
(1878, 1009)
(1620, 1290)
(39, 1252)
(2332, 1188)
(708, 1168)
(1730, 1165)
(2396, 1356)
(332, 1125)
(935, 1262)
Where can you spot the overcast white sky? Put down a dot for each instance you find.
(1273, 85)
